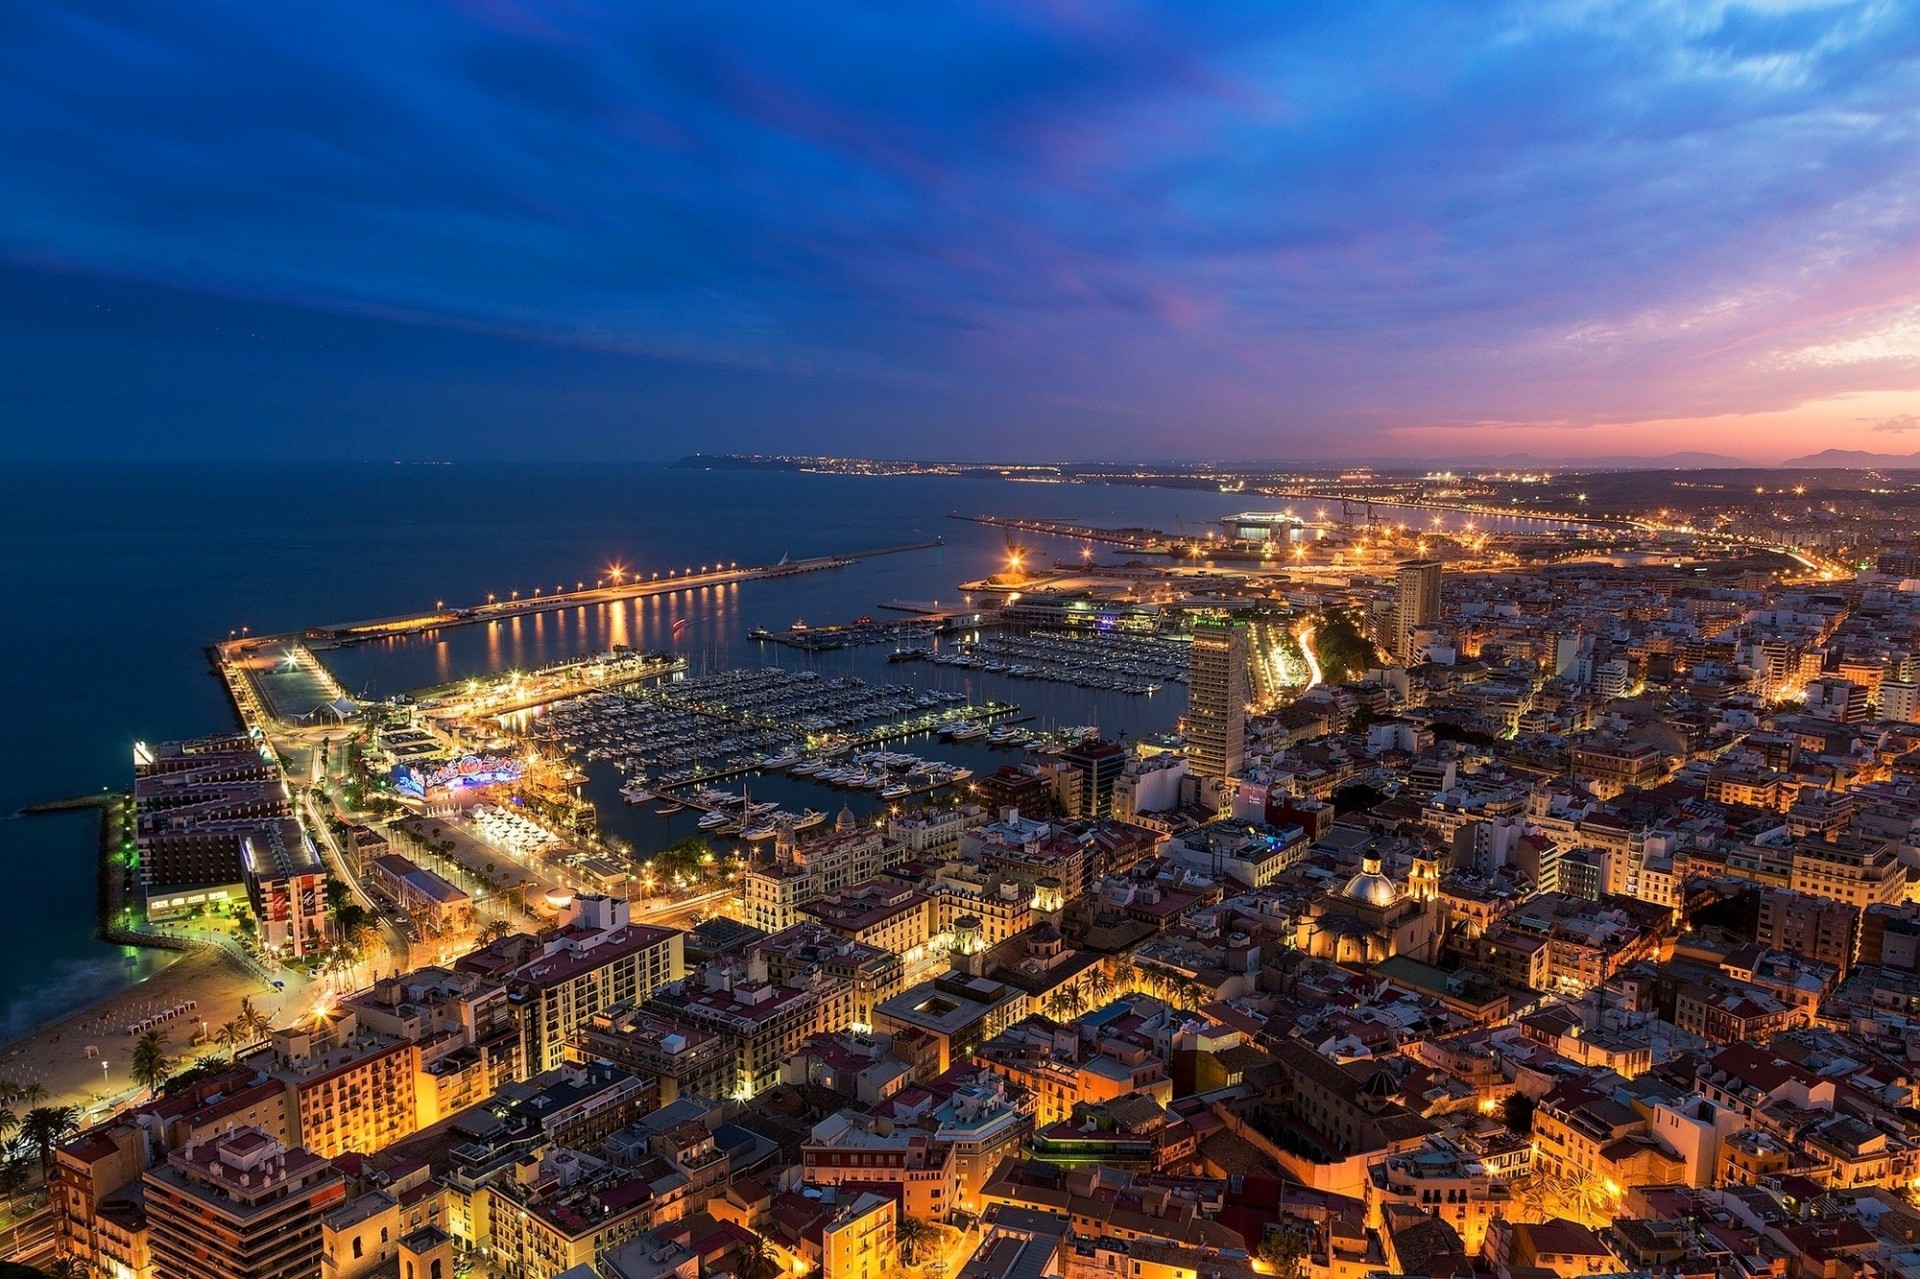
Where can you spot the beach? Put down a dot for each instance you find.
(57, 1056)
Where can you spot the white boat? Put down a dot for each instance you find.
(786, 759)
(898, 790)
(758, 833)
(959, 774)
(966, 730)
(713, 821)
(635, 793)
(668, 810)
(808, 767)
(809, 819)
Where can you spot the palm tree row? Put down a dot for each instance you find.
(1174, 987)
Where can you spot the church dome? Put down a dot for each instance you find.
(1370, 886)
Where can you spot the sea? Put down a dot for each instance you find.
(120, 576)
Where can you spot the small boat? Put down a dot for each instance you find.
(635, 793)
(713, 821)
(809, 819)
(668, 810)
(786, 759)
(898, 790)
(758, 833)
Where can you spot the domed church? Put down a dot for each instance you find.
(1370, 919)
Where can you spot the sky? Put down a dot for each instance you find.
(1033, 229)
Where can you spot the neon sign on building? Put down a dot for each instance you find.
(459, 774)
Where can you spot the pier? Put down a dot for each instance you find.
(495, 610)
(505, 694)
(1146, 540)
(926, 619)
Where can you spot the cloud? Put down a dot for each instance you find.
(1272, 228)
(1898, 425)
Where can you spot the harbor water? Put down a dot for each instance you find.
(121, 575)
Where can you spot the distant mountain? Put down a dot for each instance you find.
(1854, 459)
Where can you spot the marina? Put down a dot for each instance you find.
(1136, 664)
(694, 730)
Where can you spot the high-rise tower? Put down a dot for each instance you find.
(1416, 604)
(1217, 698)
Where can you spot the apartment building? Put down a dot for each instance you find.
(802, 871)
(685, 1059)
(464, 1028)
(850, 1146)
(348, 1088)
(763, 1023)
(1859, 872)
(883, 913)
(240, 1206)
(600, 959)
(873, 973)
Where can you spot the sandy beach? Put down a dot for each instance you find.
(57, 1056)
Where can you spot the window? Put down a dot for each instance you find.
(357, 1249)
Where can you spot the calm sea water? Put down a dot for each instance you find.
(120, 576)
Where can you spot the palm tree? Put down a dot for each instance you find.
(915, 1237)
(252, 1020)
(150, 1063)
(45, 1127)
(10, 1092)
(14, 1173)
(494, 930)
(230, 1036)
(363, 939)
(758, 1262)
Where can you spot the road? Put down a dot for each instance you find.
(399, 950)
(1305, 636)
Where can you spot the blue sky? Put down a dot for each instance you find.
(1022, 229)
